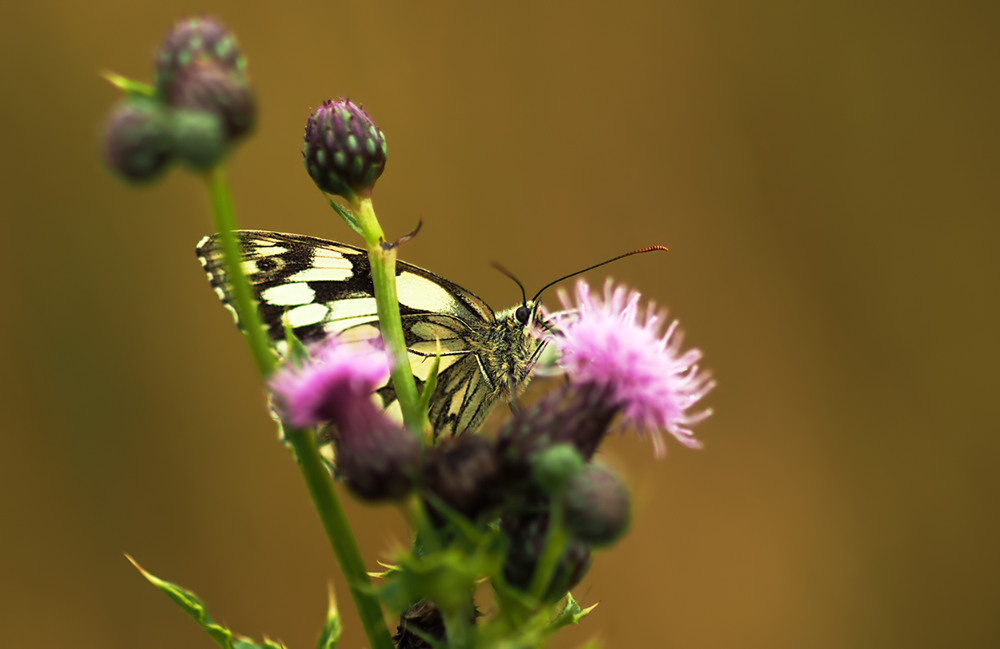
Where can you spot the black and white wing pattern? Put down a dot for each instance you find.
(322, 288)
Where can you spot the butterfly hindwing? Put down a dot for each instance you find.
(322, 288)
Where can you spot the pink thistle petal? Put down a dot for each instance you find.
(326, 387)
(611, 342)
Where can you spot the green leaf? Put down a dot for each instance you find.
(297, 352)
(571, 613)
(430, 384)
(331, 630)
(129, 86)
(193, 606)
(348, 216)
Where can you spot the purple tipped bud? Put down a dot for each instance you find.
(464, 473)
(191, 43)
(199, 138)
(210, 88)
(597, 506)
(377, 458)
(137, 140)
(526, 534)
(344, 150)
(577, 414)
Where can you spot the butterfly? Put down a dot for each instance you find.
(322, 289)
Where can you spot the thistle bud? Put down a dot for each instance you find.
(137, 140)
(210, 88)
(464, 474)
(344, 150)
(597, 506)
(527, 534)
(199, 138)
(377, 458)
(191, 43)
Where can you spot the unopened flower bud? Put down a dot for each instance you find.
(344, 150)
(199, 138)
(597, 506)
(137, 140)
(554, 467)
(193, 42)
(210, 88)
(464, 474)
(526, 534)
(377, 458)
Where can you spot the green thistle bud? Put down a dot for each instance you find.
(344, 150)
(137, 140)
(597, 506)
(554, 467)
(191, 43)
(526, 533)
(199, 138)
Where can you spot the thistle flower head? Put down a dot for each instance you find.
(337, 377)
(609, 341)
(137, 140)
(344, 151)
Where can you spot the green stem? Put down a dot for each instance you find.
(246, 308)
(314, 472)
(555, 543)
(338, 531)
(383, 265)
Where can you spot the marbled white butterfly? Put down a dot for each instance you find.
(322, 288)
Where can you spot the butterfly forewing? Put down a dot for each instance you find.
(322, 288)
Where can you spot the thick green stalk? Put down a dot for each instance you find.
(225, 225)
(383, 264)
(338, 531)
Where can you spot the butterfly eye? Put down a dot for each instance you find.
(522, 313)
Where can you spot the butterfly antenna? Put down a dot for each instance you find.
(524, 295)
(603, 263)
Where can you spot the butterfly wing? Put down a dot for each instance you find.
(322, 288)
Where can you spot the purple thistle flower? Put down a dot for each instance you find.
(375, 456)
(610, 342)
(330, 385)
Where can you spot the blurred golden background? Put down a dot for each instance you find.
(825, 175)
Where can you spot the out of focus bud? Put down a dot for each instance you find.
(210, 88)
(344, 150)
(191, 43)
(526, 534)
(199, 138)
(137, 140)
(377, 458)
(464, 474)
(554, 467)
(597, 506)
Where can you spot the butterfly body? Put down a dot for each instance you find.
(322, 289)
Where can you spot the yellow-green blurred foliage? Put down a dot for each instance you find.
(824, 173)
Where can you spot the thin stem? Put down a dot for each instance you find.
(314, 472)
(338, 531)
(383, 265)
(225, 224)
(555, 543)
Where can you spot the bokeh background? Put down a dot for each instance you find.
(824, 173)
